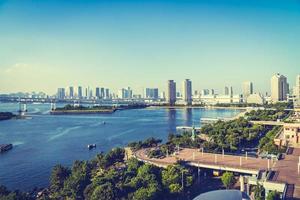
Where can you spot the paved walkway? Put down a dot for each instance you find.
(286, 170)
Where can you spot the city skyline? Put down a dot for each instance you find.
(117, 44)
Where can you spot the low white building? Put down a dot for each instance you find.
(221, 99)
(256, 98)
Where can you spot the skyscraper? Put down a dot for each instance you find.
(102, 93)
(187, 91)
(279, 88)
(231, 91)
(107, 96)
(226, 91)
(71, 91)
(151, 93)
(61, 93)
(79, 92)
(171, 98)
(247, 88)
(97, 93)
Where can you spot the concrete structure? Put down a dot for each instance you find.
(279, 88)
(256, 98)
(224, 99)
(107, 95)
(289, 136)
(171, 96)
(125, 93)
(151, 93)
(71, 92)
(204, 92)
(79, 92)
(274, 175)
(226, 91)
(97, 93)
(61, 94)
(187, 91)
(247, 89)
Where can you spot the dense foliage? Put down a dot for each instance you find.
(267, 115)
(5, 194)
(266, 144)
(150, 142)
(232, 135)
(108, 176)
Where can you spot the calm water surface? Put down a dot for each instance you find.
(46, 140)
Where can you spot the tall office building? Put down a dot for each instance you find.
(204, 92)
(151, 93)
(171, 96)
(102, 93)
(61, 93)
(231, 91)
(226, 91)
(97, 93)
(279, 88)
(212, 91)
(79, 92)
(187, 91)
(107, 96)
(247, 88)
(71, 91)
(122, 94)
(129, 93)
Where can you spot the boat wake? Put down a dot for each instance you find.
(64, 132)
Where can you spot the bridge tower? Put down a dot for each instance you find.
(22, 107)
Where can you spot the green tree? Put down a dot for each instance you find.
(259, 192)
(228, 179)
(103, 192)
(58, 176)
(273, 195)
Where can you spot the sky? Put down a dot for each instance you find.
(49, 44)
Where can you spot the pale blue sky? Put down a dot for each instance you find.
(48, 44)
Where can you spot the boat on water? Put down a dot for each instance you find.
(5, 147)
(91, 146)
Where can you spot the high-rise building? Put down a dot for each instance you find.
(129, 93)
(187, 91)
(212, 91)
(204, 92)
(247, 88)
(122, 93)
(97, 93)
(71, 91)
(279, 88)
(171, 96)
(107, 96)
(61, 94)
(231, 91)
(151, 93)
(79, 92)
(102, 93)
(163, 95)
(226, 91)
